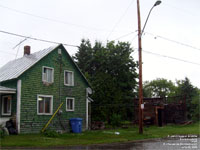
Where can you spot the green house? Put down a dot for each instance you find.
(34, 86)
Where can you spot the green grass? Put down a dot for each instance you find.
(98, 137)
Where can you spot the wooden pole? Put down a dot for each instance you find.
(140, 70)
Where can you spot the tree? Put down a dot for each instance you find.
(184, 87)
(162, 88)
(158, 88)
(195, 110)
(112, 73)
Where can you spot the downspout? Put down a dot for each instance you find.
(86, 109)
(88, 91)
(19, 85)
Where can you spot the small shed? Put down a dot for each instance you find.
(160, 111)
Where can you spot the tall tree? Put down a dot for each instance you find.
(185, 87)
(112, 72)
(163, 88)
(159, 88)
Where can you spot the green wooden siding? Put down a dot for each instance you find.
(32, 85)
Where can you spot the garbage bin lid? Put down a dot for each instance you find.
(75, 119)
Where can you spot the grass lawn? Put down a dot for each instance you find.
(98, 137)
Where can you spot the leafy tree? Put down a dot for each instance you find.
(84, 56)
(195, 110)
(158, 88)
(184, 87)
(112, 73)
(163, 88)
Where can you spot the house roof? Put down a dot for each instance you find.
(15, 68)
(7, 90)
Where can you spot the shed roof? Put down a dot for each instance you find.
(15, 68)
(7, 90)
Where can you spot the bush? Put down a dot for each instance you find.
(2, 132)
(50, 133)
(115, 120)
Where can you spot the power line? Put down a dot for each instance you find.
(17, 51)
(122, 16)
(37, 39)
(174, 41)
(51, 19)
(20, 43)
(174, 58)
(125, 35)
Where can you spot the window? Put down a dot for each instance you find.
(6, 105)
(47, 74)
(44, 104)
(68, 78)
(69, 104)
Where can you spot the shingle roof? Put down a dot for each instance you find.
(15, 68)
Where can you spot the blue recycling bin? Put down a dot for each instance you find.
(76, 125)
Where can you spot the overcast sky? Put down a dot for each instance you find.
(170, 42)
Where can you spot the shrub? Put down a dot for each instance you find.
(50, 133)
(115, 120)
(2, 132)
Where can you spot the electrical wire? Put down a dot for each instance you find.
(17, 51)
(36, 39)
(122, 16)
(174, 41)
(174, 58)
(51, 19)
(20, 43)
(125, 35)
(42, 40)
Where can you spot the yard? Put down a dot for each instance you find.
(98, 137)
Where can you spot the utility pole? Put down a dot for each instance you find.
(141, 105)
(140, 70)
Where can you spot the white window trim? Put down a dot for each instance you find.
(43, 74)
(6, 114)
(72, 78)
(73, 103)
(51, 109)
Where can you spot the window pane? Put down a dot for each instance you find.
(48, 75)
(45, 70)
(5, 110)
(41, 104)
(45, 74)
(70, 104)
(68, 78)
(8, 105)
(44, 104)
(47, 104)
